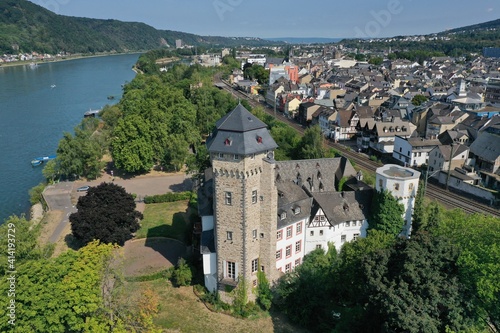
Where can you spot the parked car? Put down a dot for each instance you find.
(83, 189)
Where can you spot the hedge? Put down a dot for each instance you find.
(167, 197)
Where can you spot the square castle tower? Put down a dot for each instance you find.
(244, 200)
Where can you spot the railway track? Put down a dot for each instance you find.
(433, 192)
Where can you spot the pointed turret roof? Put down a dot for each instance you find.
(239, 120)
(240, 132)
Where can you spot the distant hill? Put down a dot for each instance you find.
(25, 27)
(490, 25)
(454, 42)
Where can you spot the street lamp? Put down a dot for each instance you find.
(427, 176)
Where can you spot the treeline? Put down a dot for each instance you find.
(444, 279)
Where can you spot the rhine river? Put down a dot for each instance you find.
(37, 105)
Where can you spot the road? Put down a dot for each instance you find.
(61, 196)
(433, 192)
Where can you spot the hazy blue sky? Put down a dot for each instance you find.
(288, 18)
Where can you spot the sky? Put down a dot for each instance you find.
(288, 18)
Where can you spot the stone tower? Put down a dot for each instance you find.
(245, 199)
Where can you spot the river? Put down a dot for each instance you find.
(37, 105)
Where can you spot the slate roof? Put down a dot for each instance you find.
(290, 197)
(343, 206)
(240, 132)
(317, 175)
(486, 146)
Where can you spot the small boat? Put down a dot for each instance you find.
(33, 65)
(40, 160)
(53, 86)
(111, 97)
(91, 113)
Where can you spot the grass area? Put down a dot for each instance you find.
(182, 311)
(169, 219)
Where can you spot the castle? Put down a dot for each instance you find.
(262, 214)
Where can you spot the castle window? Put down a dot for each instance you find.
(279, 235)
(228, 197)
(229, 235)
(288, 267)
(342, 239)
(381, 183)
(355, 236)
(348, 224)
(236, 157)
(396, 186)
(259, 139)
(298, 228)
(410, 186)
(288, 251)
(297, 262)
(255, 265)
(221, 155)
(278, 255)
(321, 232)
(254, 196)
(289, 232)
(318, 246)
(312, 233)
(254, 233)
(231, 270)
(228, 142)
(252, 156)
(298, 246)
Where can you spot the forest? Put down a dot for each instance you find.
(27, 27)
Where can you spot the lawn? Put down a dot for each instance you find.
(182, 311)
(169, 219)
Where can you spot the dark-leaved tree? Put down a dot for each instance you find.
(106, 213)
(414, 287)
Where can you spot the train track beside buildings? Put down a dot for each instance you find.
(433, 192)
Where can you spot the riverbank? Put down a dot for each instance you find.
(60, 59)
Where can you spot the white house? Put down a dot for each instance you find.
(402, 183)
(413, 151)
(337, 218)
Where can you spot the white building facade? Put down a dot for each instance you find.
(402, 183)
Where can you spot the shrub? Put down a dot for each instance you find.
(36, 193)
(182, 274)
(167, 197)
(264, 295)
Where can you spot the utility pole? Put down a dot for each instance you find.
(449, 167)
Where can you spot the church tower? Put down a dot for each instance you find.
(245, 199)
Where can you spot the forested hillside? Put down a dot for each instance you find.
(26, 27)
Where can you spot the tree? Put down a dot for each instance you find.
(418, 100)
(106, 213)
(414, 287)
(377, 61)
(387, 213)
(419, 220)
(311, 144)
(478, 238)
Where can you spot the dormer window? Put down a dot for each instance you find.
(296, 210)
(283, 215)
(259, 139)
(228, 142)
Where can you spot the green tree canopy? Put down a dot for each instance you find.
(106, 213)
(387, 213)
